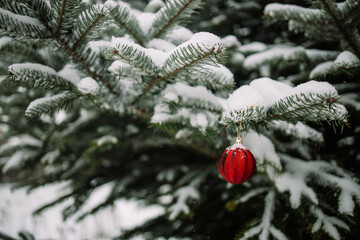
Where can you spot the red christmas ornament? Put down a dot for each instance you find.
(237, 164)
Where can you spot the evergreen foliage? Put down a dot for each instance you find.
(129, 69)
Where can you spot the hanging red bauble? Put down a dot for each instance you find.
(237, 164)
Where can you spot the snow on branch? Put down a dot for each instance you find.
(64, 14)
(288, 11)
(126, 20)
(309, 102)
(299, 130)
(88, 23)
(212, 77)
(201, 50)
(273, 56)
(19, 142)
(135, 55)
(50, 104)
(183, 104)
(201, 120)
(267, 160)
(265, 228)
(197, 97)
(324, 174)
(328, 224)
(348, 6)
(37, 75)
(183, 194)
(287, 54)
(346, 62)
(22, 25)
(17, 159)
(175, 12)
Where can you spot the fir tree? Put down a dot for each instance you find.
(90, 78)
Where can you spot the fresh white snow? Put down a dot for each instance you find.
(88, 86)
(16, 214)
(19, 67)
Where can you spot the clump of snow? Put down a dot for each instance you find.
(321, 69)
(154, 5)
(265, 156)
(70, 73)
(314, 87)
(206, 39)
(116, 65)
(346, 58)
(98, 46)
(200, 120)
(270, 90)
(183, 194)
(160, 44)
(179, 35)
(183, 133)
(5, 40)
(19, 67)
(60, 116)
(157, 56)
(252, 47)
(108, 139)
(146, 20)
(110, 4)
(237, 58)
(242, 98)
(230, 41)
(88, 86)
(170, 96)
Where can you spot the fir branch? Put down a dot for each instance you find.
(310, 108)
(136, 56)
(216, 78)
(37, 75)
(86, 65)
(126, 20)
(87, 21)
(65, 13)
(41, 11)
(22, 25)
(6, 237)
(182, 59)
(174, 12)
(50, 104)
(331, 8)
(16, 7)
(61, 15)
(293, 12)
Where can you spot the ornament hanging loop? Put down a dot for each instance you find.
(238, 138)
